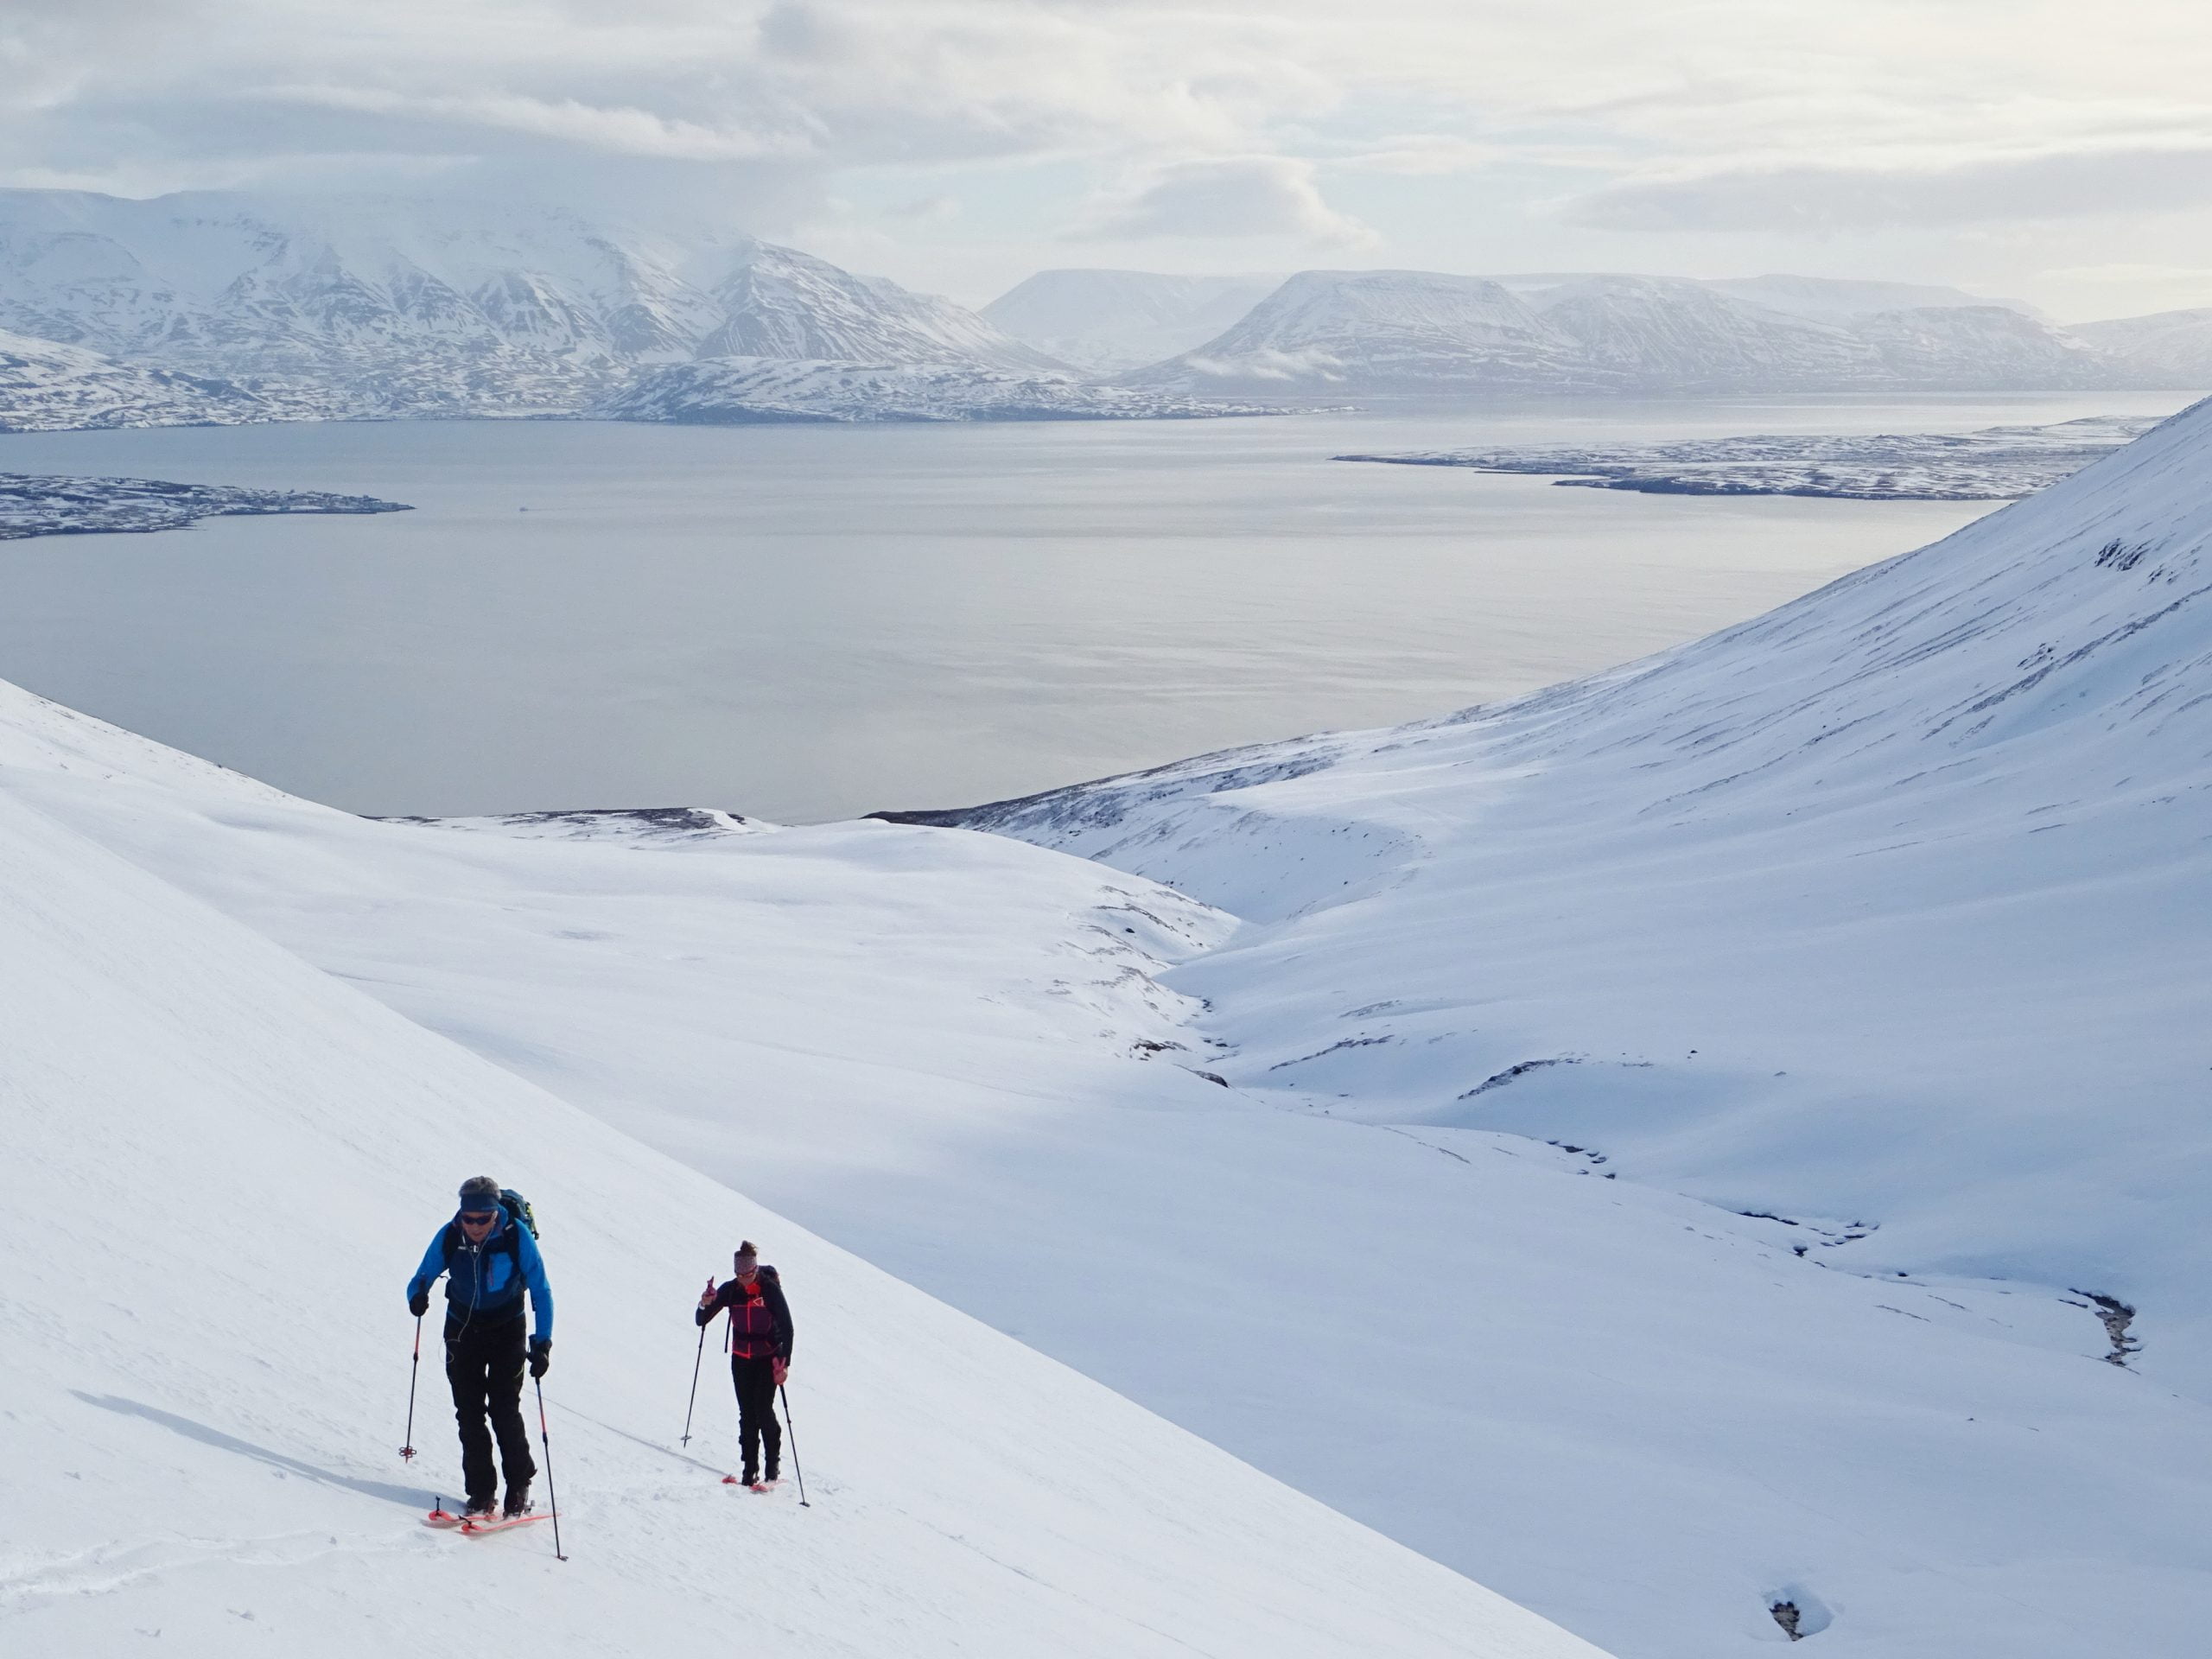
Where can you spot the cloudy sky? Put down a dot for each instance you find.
(2060, 153)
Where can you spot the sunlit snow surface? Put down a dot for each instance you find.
(1882, 915)
(220, 1163)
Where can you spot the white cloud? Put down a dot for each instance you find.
(1230, 196)
(623, 131)
(1445, 122)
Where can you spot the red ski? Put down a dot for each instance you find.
(754, 1486)
(441, 1518)
(500, 1523)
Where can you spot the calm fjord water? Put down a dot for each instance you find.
(809, 622)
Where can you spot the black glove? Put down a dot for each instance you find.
(541, 1355)
(419, 1303)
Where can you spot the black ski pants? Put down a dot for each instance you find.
(756, 1413)
(485, 1363)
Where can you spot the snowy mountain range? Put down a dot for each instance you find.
(381, 307)
(1384, 332)
(1711, 1151)
(225, 307)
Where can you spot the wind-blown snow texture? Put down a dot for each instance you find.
(222, 1163)
(1999, 463)
(1881, 917)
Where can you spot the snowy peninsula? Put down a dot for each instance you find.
(34, 503)
(1999, 463)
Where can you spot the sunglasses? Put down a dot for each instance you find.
(474, 1220)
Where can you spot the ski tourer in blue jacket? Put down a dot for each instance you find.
(488, 1258)
(486, 1277)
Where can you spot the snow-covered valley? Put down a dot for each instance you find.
(1880, 915)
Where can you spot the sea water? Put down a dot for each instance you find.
(806, 622)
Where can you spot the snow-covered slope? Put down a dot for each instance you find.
(2167, 348)
(1830, 299)
(1111, 319)
(741, 390)
(1986, 345)
(1409, 331)
(46, 387)
(222, 1163)
(782, 304)
(1682, 335)
(1382, 330)
(1888, 907)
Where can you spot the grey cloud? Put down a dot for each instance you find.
(1820, 199)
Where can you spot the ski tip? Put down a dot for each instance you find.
(441, 1518)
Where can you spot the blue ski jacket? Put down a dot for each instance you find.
(487, 1280)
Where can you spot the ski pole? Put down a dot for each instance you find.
(415, 1365)
(794, 1433)
(552, 1492)
(696, 1358)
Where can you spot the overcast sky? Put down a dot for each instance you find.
(2058, 152)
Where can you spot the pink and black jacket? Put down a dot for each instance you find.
(760, 1321)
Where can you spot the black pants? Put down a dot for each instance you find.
(485, 1364)
(756, 1413)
